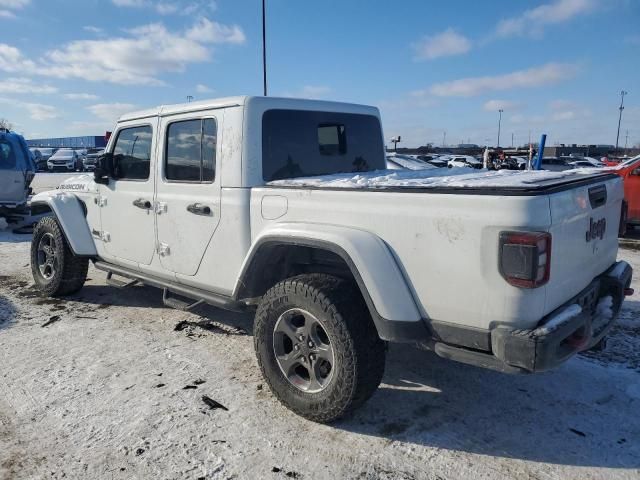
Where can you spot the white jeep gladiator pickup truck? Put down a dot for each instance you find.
(284, 206)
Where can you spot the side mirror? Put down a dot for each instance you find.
(104, 169)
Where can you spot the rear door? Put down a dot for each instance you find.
(126, 213)
(12, 181)
(584, 232)
(188, 189)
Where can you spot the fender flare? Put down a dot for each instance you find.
(71, 217)
(371, 262)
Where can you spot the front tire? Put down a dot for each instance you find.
(317, 346)
(56, 270)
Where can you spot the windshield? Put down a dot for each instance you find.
(628, 162)
(63, 153)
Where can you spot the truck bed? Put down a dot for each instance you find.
(456, 180)
(447, 244)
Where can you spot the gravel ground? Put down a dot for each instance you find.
(103, 385)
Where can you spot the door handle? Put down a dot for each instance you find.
(199, 209)
(142, 203)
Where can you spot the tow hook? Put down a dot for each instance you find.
(628, 292)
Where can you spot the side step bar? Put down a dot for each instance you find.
(176, 303)
(198, 295)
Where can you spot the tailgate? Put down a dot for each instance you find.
(584, 230)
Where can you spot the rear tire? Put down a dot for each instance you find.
(56, 270)
(349, 371)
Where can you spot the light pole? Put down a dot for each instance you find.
(444, 138)
(622, 94)
(189, 98)
(264, 49)
(499, 124)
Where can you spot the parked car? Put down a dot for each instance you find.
(435, 160)
(290, 217)
(555, 164)
(463, 161)
(513, 163)
(39, 160)
(65, 159)
(406, 162)
(16, 174)
(584, 164)
(90, 159)
(629, 171)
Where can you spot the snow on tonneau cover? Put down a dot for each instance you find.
(585, 206)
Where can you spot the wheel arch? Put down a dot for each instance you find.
(70, 213)
(287, 250)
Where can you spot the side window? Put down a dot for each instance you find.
(7, 156)
(132, 153)
(190, 153)
(332, 139)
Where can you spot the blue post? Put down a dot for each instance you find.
(538, 163)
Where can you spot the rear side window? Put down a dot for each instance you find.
(7, 156)
(191, 151)
(132, 153)
(298, 143)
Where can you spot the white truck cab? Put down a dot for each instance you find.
(285, 207)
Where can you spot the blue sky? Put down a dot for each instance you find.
(554, 66)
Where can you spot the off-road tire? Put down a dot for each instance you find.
(71, 271)
(359, 353)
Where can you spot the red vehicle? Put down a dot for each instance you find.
(629, 170)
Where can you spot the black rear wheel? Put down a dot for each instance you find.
(317, 346)
(55, 269)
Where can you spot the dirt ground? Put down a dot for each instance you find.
(103, 385)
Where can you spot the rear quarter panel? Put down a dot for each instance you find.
(446, 245)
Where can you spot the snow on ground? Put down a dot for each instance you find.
(102, 385)
(437, 177)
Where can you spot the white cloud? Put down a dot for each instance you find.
(533, 21)
(547, 74)
(110, 112)
(9, 6)
(24, 85)
(11, 60)
(207, 31)
(495, 105)
(200, 88)
(166, 8)
(130, 3)
(443, 44)
(80, 96)
(314, 92)
(92, 29)
(136, 59)
(14, 4)
(37, 111)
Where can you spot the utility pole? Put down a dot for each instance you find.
(511, 139)
(444, 138)
(189, 98)
(264, 49)
(499, 124)
(626, 140)
(621, 108)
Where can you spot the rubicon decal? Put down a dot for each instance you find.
(73, 186)
(596, 229)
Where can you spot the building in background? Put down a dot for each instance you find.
(69, 142)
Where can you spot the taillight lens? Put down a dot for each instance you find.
(525, 258)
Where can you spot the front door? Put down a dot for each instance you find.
(126, 213)
(188, 190)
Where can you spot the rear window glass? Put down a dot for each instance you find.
(299, 143)
(7, 156)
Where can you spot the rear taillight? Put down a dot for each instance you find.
(525, 258)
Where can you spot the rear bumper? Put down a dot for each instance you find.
(575, 326)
